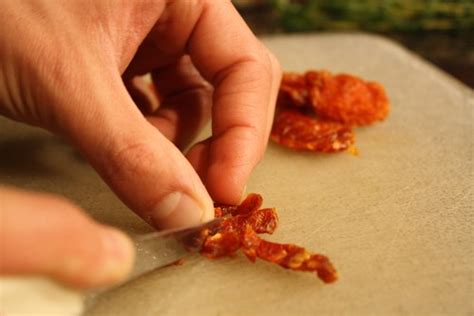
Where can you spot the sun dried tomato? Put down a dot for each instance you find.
(341, 98)
(239, 231)
(249, 205)
(293, 90)
(297, 131)
(346, 99)
(288, 256)
(327, 107)
(263, 221)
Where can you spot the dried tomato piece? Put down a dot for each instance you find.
(226, 240)
(224, 210)
(297, 131)
(250, 204)
(263, 221)
(342, 98)
(222, 244)
(346, 99)
(239, 231)
(293, 90)
(288, 256)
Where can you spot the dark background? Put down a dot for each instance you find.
(440, 31)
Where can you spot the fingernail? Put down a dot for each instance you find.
(119, 256)
(177, 210)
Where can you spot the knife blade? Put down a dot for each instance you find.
(159, 249)
(156, 250)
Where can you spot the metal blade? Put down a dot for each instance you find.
(158, 249)
(163, 248)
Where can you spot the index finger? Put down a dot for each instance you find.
(245, 77)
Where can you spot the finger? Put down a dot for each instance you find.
(244, 79)
(241, 71)
(186, 101)
(199, 154)
(46, 235)
(276, 76)
(143, 167)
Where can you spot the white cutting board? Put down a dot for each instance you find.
(396, 220)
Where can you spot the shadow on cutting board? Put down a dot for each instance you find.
(26, 157)
(23, 157)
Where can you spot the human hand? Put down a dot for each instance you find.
(63, 67)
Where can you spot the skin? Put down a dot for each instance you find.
(73, 66)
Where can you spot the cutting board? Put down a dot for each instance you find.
(396, 220)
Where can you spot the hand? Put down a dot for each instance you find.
(66, 66)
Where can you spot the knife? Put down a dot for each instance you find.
(159, 249)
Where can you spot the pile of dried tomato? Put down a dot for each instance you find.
(317, 110)
(239, 230)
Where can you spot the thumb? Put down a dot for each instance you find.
(46, 235)
(141, 165)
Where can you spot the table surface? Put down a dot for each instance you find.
(396, 220)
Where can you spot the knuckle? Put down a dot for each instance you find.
(130, 160)
(268, 65)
